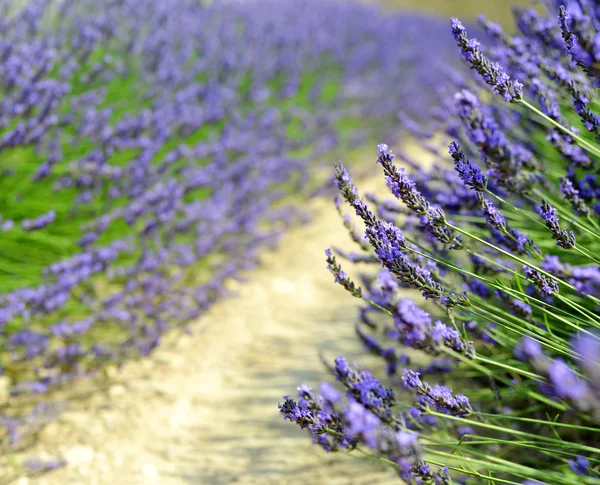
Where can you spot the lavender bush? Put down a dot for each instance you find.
(494, 375)
(147, 148)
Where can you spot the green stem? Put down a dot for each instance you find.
(507, 382)
(584, 144)
(541, 421)
(515, 432)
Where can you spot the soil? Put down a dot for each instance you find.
(203, 408)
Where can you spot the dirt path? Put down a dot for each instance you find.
(203, 408)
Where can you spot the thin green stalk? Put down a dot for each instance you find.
(584, 253)
(541, 421)
(377, 305)
(541, 304)
(583, 143)
(541, 224)
(515, 432)
(473, 473)
(518, 259)
(505, 381)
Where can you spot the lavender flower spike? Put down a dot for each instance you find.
(491, 72)
(469, 173)
(563, 238)
(40, 222)
(340, 275)
(433, 218)
(547, 286)
(437, 396)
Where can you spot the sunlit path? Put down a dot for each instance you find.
(203, 408)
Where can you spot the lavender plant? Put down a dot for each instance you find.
(495, 376)
(147, 149)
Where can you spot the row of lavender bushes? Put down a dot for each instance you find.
(146, 152)
(493, 376)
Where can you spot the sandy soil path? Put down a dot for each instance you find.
(203, 408)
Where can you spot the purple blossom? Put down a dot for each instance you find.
(340, 276)
(548, 287)
(469, 173)
(493, 216)
(330, 393)
(366, 389)
(490, 72)
(40, 222)
(571, 194)
(465, 430)
(580, 465)
(565, 381)
(528, 349)
(433, 218)
(504, 159)
(363, 423)
(587, 346)
(563, 238)
(440, 397)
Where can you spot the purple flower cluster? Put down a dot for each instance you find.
(340, 276)
(390, 245)
(469, 173)
(547, 286)
(318, 414)
(505, 161)
(404, 189)
(414, 328)
(562, 381)
(563, 238)
(439, 397)
(527, 356)
(585, 279)
(147, 148)
(490, 72)
(366, 389)
(360, 419)
(40, 222)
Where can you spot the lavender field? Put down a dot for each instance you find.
(181, 300)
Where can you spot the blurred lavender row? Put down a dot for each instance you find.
(147, 149)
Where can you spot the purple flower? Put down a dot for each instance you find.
(40, 222)
(329, 392)
(493, 216)
(528, 349)
(587, 347)
(580, 465)
(548, 287)
(469, 173)
(465, 430)
(504, 159)
(563, 238)
(340, 276)
(366, 389)
(565, 381)
(572, 195)
(432, 218)
(440, 397)
(490, 72)
(363, 423)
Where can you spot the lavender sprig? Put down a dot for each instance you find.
(492, 73)
(433, 218)
(469, 173)
(340, 276)
(563, 238)
(547, 286)
(390, 246)
(440, 397)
